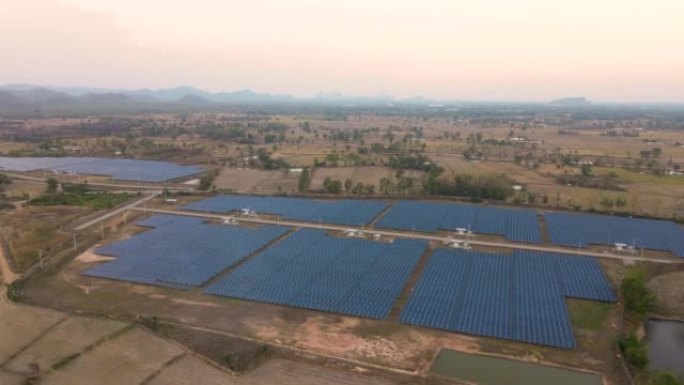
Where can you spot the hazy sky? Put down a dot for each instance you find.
(619, 50)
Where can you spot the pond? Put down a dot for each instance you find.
(666, 345)
(485, 370)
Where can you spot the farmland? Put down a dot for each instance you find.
(312, 246)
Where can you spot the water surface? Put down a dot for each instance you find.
(666, 345)
(485, 370)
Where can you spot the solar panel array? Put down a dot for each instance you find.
(120, 169)
(582, 230)
(517, 297)
(180, 252)
(311, 270)
(517, 225)
(342, 212)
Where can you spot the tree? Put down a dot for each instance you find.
(332, 186)
(207, 180)
(348, 184)
(586, 170)
(385, 185)
(404, 184)
(606, 202)
(52, 185)
(634, 351)
(304, 180)
(639, 300)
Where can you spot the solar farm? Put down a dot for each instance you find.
(517, 297)
(118, 169)
(339, 212)
(314, 271)
(515, 224)
(582, 230)
(180, 252)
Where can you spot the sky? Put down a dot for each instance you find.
(521, 50)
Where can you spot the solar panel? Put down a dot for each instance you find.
(517, 225)
(314, 271)
(342, 212)
(119, 169)
(180, 252)
(517, 297)
(582, 230)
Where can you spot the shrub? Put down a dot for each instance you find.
(639, 300)
(634, 351)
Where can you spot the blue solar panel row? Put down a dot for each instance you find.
(517, 225)
(517, 297)
(311, 270)
(539, 313)
(582, 230)
(342, 212)
(181, 252)
(121, 169)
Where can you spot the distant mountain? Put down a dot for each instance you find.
(10, 100)
(573, 101)
(194, 100)
(44, 95)
(170, 94)
(112, 98)
(249, 96)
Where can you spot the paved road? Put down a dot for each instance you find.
(117, 211)
(507, 245)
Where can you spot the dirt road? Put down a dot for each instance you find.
(6, 274)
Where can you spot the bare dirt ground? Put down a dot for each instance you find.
(56, 348)
(6, 274)
(89, 256)
(190, 370)
(257, 181)
(289, 373)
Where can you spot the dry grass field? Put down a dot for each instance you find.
(31, 230)
(56, 348)
(127, 359)
(9, 147)
(362, 174)
(21, 325)
(252, 181)
(71, 335)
